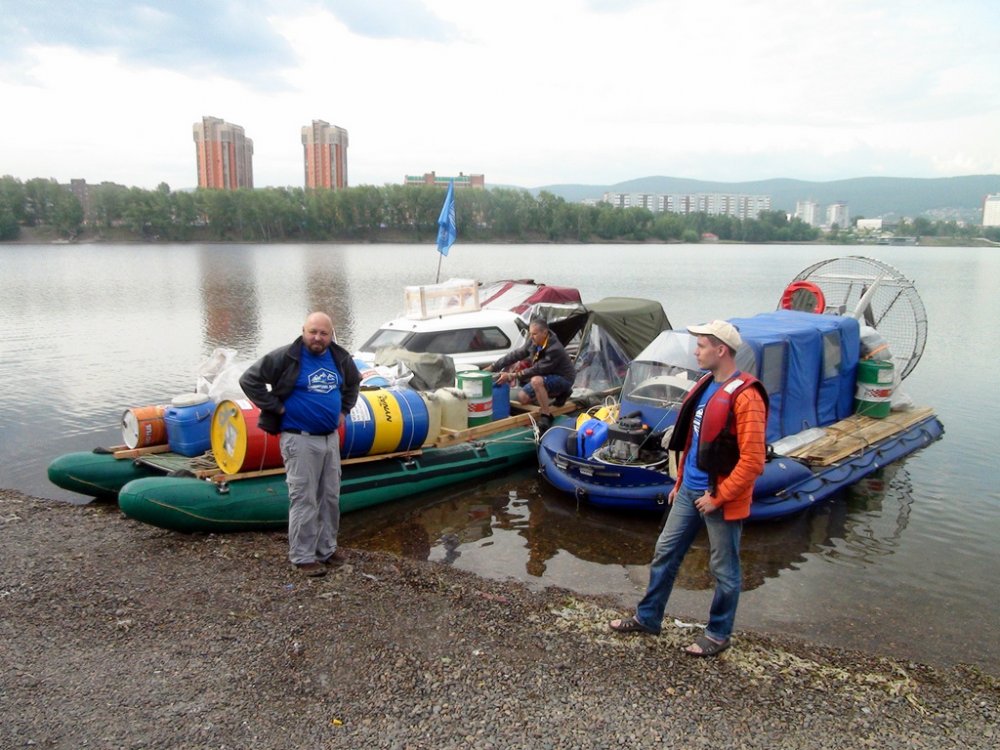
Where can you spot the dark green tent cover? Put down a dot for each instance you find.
(631, 321)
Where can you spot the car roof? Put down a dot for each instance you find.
(477, 319)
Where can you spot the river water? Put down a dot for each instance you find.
(904, 563)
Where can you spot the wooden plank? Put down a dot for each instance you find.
(125, 452)
(855, 434)
(216, 475)
(219, 478)
(484, 430)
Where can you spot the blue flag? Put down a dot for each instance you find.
(447, 231)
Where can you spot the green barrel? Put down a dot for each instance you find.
(478, 388)
(873, 397)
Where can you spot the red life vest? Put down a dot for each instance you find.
(718, 449)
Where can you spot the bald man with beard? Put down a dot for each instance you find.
(304, 390)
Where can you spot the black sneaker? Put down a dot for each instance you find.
(544, 423)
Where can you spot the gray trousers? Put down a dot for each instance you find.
(312, 471)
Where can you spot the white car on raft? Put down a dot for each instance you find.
(474, 325)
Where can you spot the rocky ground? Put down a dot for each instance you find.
(119, 635)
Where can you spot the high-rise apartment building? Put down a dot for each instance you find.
(808, 212)
(837, 213)
(225, 155)
(324, 148)
(991, 210)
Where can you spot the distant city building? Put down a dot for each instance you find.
(324, 148)
(225, 155)
(715, 204)
(836, 213)
(807, 212)
(476, 181)
(991, 210)
(869, 225)
(89, 196)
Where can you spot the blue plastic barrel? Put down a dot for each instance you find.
(189, 424)
(501, 401)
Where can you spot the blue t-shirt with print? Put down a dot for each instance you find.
(695, 478)
(314, 404)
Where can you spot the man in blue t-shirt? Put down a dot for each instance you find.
(303, 391)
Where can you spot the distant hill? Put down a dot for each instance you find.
(889, 197)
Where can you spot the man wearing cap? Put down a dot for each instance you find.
(304, 390)
(721, 431)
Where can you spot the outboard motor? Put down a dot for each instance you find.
(625, 437)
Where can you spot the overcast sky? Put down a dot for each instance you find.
(527, 92)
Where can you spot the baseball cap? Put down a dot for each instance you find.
(725, 332)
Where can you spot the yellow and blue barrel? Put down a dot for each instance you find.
(385, 420)
(873, 396)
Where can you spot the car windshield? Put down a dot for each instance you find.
(457, 341)
(385, 337)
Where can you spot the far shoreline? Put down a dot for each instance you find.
(46, 236)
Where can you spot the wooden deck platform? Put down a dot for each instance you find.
(855, 434)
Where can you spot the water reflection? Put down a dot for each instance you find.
(534, 525)
(229, 300)
(328, 288)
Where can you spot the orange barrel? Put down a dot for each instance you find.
(143, 426)
(238, 443)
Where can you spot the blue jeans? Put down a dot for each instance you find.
(680, 530)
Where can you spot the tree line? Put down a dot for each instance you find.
(365, 213)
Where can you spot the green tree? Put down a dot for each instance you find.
(9, 227)
(40, 198)
(66, 213)
(108, 203)
(12, 197)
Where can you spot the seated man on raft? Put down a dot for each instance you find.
(548, 378)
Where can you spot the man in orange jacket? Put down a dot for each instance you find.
(721, 430)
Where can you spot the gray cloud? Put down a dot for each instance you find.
(225, 38)
(391, 19)
(229, 38)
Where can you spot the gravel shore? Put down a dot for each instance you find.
(119, 635)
